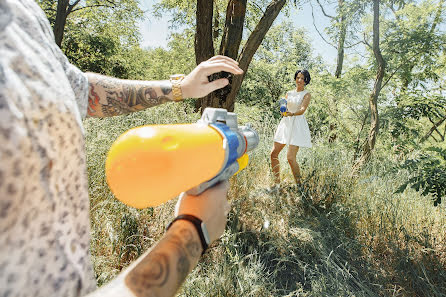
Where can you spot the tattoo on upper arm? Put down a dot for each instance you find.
(153, 272)
(93, 101)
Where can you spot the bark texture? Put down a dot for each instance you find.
(230, 45)
(64, 8)
(373, 99)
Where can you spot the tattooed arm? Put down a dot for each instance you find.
(161, 271)
(108, 96)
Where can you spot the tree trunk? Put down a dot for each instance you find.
(230, 43)
(61, 20)
(204, 45)
(232, 36)
(373, 100)
(341, 40)
(64, 8)
(339, 60)
(340, 57)
(251, 46)
(232, 33)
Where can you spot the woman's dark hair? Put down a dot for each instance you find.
(306, 74)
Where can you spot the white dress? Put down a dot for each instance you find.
(294, 129)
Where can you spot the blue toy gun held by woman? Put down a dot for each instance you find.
(283, 105)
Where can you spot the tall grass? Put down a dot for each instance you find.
(333, 236)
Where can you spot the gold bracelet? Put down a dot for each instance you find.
(176, 86)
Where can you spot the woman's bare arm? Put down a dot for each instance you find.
(302, 107)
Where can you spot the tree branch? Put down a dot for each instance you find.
(366, 43)
(251, 46)
(323, 11)
(254, 4)
(399, 67)
(49, 9)
(203, 43)
(71, 6)
(437, 16)
(256, 37)
(353, 45)
(91, 6)
(317, 30)
(444, 132)
(436, 126)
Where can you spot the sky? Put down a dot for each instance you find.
(155, 31)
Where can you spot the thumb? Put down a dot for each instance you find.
(217, 84)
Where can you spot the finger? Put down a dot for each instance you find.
(222, 58)
(217, 84)
(220, 66)
(219, 62)
(225, 60)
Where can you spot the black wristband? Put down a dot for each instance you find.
(199, 225)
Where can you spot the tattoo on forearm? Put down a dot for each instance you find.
(166, 88)
(183, 262)
(193, 247)
(153, 272)
(109, 96)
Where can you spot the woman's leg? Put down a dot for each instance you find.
(277, 147)
(291, 156)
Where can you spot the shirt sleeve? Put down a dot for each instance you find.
(79, 84)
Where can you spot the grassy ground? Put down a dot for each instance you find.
(332, 236)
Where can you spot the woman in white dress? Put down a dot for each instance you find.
(293, 128)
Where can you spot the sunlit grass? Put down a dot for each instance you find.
(333, 236)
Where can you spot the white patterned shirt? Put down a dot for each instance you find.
(44, 204)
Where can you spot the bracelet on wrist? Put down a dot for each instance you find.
(176, 80)
(199, 226)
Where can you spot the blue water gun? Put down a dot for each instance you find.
(283, 106)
